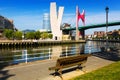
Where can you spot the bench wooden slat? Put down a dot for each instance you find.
(70, 61)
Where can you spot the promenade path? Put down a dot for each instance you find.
(39, 70)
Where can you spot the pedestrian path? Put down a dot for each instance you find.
(39, 70)
(93, 63)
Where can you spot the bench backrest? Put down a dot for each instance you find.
(72, 60)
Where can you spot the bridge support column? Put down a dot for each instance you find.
(82, 34)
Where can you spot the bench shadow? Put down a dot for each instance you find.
(4, 74)
(111, 55)
(66, 70)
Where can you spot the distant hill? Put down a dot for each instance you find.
(28, 30)
(6, 23)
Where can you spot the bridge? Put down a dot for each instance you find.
(83, 28)
(93, 26)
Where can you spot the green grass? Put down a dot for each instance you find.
(110, 72)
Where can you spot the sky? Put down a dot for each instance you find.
(28, 14)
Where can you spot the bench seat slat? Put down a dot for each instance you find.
(70, 61)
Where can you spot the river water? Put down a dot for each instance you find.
(15, 56)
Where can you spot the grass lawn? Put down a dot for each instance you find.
(110, 72)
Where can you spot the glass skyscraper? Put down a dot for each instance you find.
(46, 21)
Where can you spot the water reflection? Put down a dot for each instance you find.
(56, 52)
(51, 52)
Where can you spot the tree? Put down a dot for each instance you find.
(18, 35)
(97, 37)
(30, 35)
(103, 37)
(8, 33)
(50, 36)
(44, 35)
(119, 37)
(110, 37)
(37, 35)
(115, 34)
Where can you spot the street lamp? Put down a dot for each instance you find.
(107, 10)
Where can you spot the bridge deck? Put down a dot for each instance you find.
(94, 26)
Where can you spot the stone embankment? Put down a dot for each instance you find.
(33, 43)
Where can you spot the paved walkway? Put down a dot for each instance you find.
(39, 70)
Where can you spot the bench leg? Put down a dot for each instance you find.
(81, 68)
(56, 71)
(60, 73)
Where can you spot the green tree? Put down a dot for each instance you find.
(8, 33)
(104, 37)
(119, 37)
(44, 35)
(37, 35)
(97, 37)
(115, 35)
(18, 35)
(30, 35)
(109, 37)
(50, 36)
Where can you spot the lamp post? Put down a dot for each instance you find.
(107, 10)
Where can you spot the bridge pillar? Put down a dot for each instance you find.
(82, 34)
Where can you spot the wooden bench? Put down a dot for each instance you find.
(69, 62)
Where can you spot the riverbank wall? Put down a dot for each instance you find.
(35, 43)
(118, 41)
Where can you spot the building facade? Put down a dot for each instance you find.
(99, 34)
(46, 22)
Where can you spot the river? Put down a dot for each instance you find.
(25, 55)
